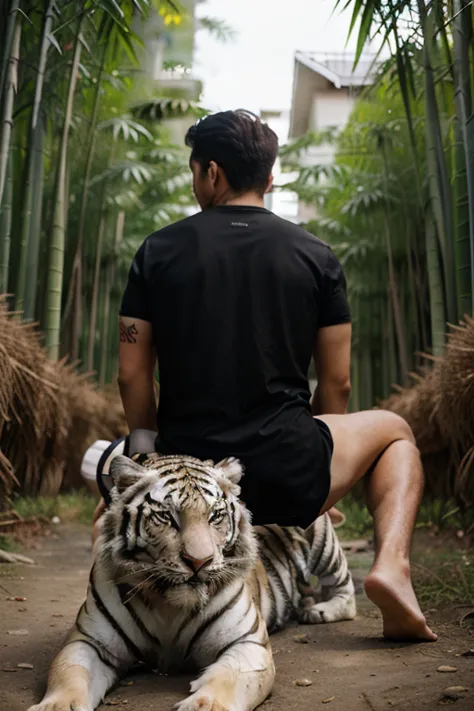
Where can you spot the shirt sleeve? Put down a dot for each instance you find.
(135, 302)
(334, 308)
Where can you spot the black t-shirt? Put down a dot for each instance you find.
(235, 296)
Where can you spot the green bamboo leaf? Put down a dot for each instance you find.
(358, 7)
(52, 40)
(364, 30)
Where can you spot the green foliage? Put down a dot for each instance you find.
(358, 523)
(396, 204)
(75, 507)
(443, 575)
(369, 210)
(89, 167)
(8, 543)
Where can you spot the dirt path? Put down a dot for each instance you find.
(350, 667)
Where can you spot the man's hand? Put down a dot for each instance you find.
(332, 359)
(137, 361)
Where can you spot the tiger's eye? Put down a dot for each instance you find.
(217, 517)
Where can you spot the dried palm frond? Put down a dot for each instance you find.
(49, 414)
(440, 410)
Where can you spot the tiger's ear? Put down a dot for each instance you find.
(125, 472)
(231, 469)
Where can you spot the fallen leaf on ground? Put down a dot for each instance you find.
(17, 632)
(328, 700)
(302, 682)
(444, 668)
(301, 639)
(25, 665)
(8, 669)
(457, 689)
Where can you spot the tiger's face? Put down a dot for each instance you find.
(176, 527)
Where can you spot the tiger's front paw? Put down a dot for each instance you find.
(333, 610)
(59, 704)
(200, 701)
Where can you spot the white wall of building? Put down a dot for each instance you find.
(283, 203)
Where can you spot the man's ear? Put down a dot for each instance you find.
(125, 472)
(213, 172)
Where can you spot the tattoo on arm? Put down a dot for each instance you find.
(128, 333)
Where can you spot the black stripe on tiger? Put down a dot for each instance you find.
(210, 620)
(128, 497)
(102, 658)
(314, 564)
(280, 583)
(274, 580)
(288, 563)
(296, 543)
(241, 640)
(131, 646)
(95, 643)
(126, 595)
(287, 543)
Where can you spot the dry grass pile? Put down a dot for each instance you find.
(440, 409)
(48, 414)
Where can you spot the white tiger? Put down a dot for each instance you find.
(181, 581)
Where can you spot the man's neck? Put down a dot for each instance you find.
(246, 200)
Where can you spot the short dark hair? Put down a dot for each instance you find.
(238, 141)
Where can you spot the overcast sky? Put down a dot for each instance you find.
(255, 70)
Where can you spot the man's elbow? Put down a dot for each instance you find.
(333, 396)
(342, 386)
(345, 388)
(130, 376)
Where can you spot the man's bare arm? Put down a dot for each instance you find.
(137, 361)
(332, 359)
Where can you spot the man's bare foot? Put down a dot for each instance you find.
(394, 596)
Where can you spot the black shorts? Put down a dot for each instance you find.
(288, 500)
(270, 494)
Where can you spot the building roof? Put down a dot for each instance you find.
(319, 71)
(337, 67)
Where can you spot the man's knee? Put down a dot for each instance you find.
(397, 428)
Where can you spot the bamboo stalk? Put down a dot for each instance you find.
(95, 296)
(462, 38)
(438, 181)
(9, 35)
(56, 256)
(76, 280)
(437, 311)
(5, 228)
(32, 160)
(35, 234)
(10, 95)
(119, 228)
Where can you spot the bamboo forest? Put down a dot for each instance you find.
(96, 96)
(199, 506)
(398, 201)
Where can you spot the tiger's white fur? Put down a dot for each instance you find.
(181, 581)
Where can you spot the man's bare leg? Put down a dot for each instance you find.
(394, 493)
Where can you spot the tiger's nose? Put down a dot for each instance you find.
(196, 564)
